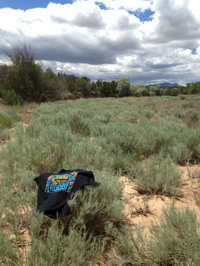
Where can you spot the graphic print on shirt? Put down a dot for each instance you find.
(62, 182)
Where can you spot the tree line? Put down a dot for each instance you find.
(24, 80)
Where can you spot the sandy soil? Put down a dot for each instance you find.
(143, 209)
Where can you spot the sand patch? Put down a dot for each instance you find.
(144, 209)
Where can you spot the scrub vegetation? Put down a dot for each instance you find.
(145, 139)
(25, 80)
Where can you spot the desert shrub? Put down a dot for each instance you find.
(178, 152)
(172, 113)
(122, 136)
(157, 175)
(108, 139)
(32, 152)
(95, 208)
(148, 111)
(105, 118)
(191, 102)
(152, 137)
(130, 248)
(180, 143)
(4, 135)
(130, 116)
(56, 248)
(8, 254)
(11, 97)
(82, 231)
(190, 137)
(174, 240)
(118, 144)
(78, 125)
(7, 120)
(167, 136)
(192, 117)
(45, 146)
(189, 116)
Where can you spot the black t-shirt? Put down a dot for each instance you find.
(54, 190)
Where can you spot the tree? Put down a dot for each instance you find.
(108, 89)
(124, 87)
(25, 76)
(3, 73)
(195, 87)
(85, 86)
(72, 84)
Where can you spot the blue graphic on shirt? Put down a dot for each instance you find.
(62, 182)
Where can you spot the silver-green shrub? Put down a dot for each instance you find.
(174, 240)
(157, 175)
(109, 137)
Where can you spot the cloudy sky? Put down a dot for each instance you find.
(150, 41)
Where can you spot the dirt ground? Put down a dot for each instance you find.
(143, 209)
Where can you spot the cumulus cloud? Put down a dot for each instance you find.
(129, 5)
(81, 14)
(172, 21)
(105, 39)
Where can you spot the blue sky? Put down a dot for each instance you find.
(146, 40)
(144, 16)
(27, 4)
(24, 5)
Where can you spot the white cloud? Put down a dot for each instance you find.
(173, 20)
(130, 5)
(81, 14)
(83, 38)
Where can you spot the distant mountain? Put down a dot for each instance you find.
(165, 84)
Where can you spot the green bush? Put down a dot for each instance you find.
(124, 87)
(92, 209)
(155, 136)
(8, 254)
(11, 97)
(4, 134)
(7, 120)
(78, 125)
(96, 208)
(174, 240)
(111, 137)
(55, 248)
(26, 77)
(157, 175)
